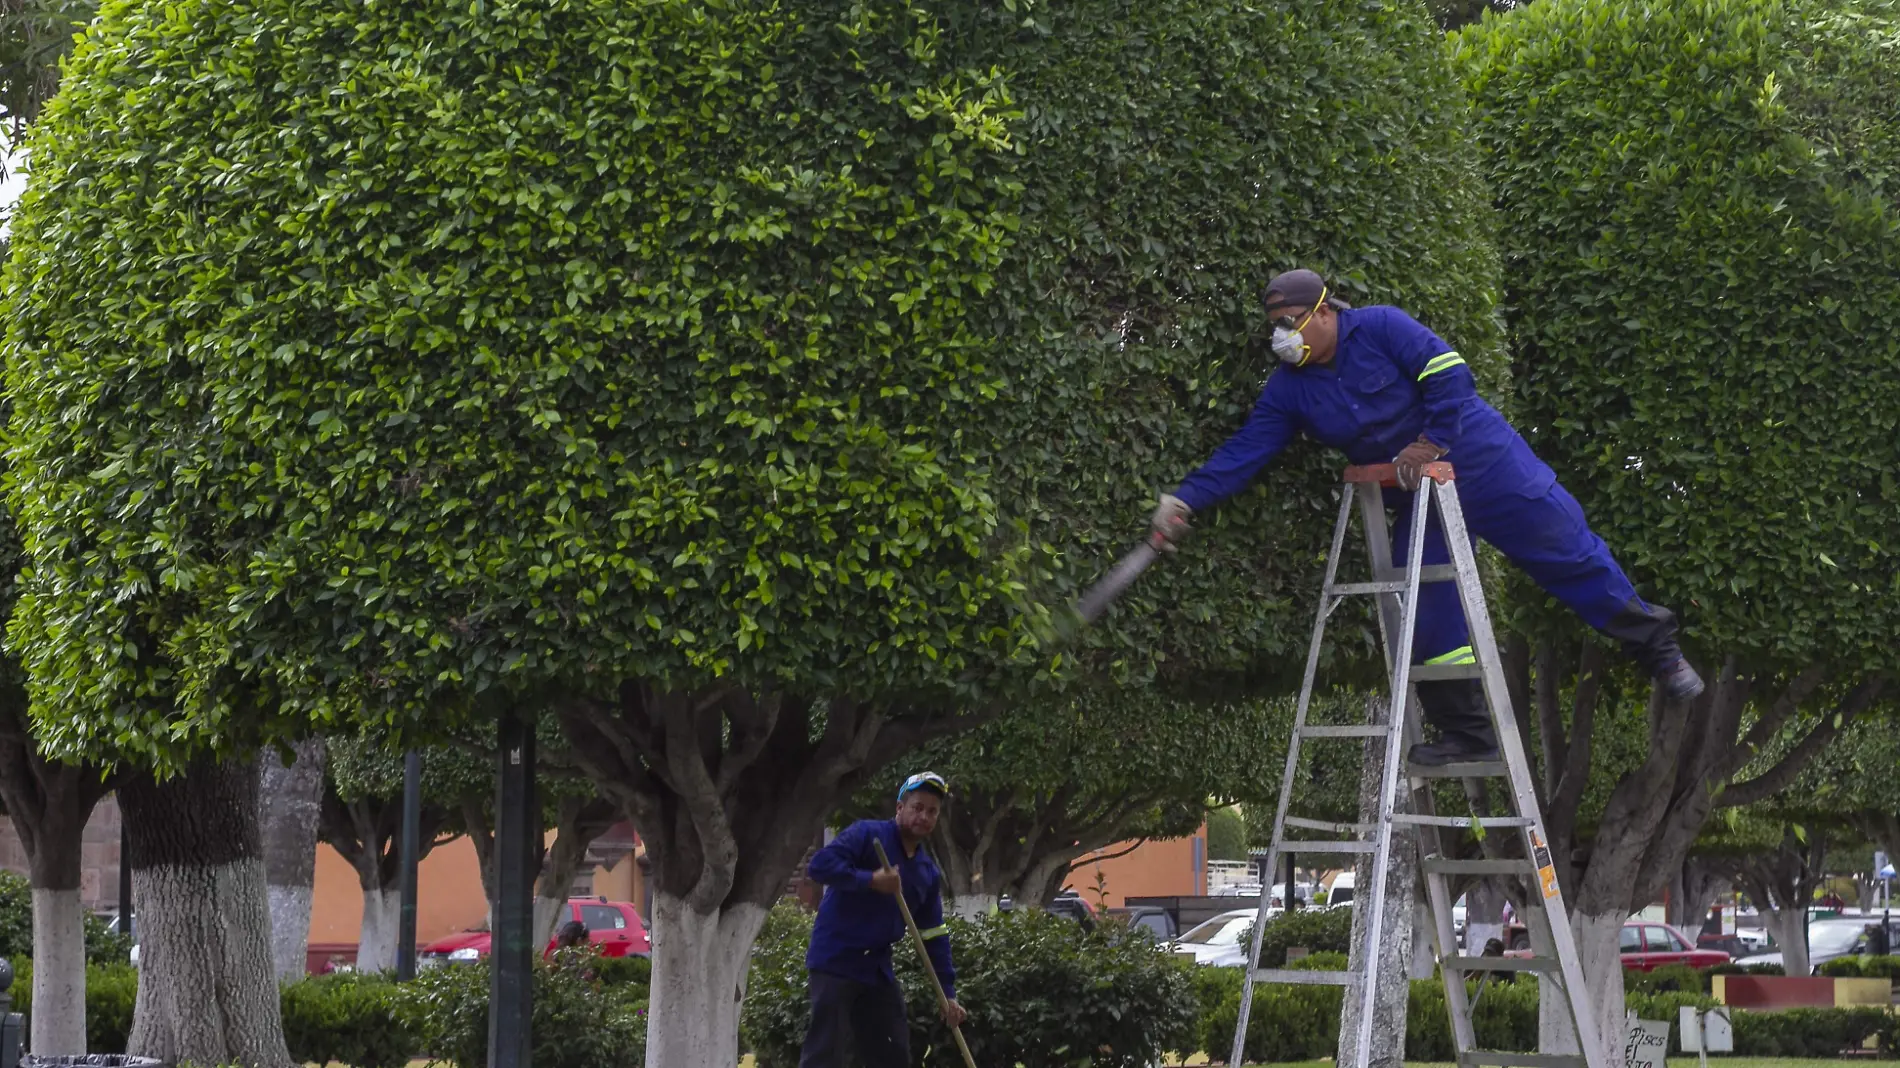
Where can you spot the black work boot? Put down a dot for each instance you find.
(1453, 749)
(1648, 634)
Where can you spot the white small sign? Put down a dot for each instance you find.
(1713, 1025)
(1647, 1044)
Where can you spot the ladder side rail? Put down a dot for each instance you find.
(1511, 747)
(1286, 782)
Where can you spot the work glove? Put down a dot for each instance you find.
(1171, 521)
(1411, 462)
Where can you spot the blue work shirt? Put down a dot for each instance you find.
(1390, 381)
(857, 926)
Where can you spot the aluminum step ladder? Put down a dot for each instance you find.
(1393, 720)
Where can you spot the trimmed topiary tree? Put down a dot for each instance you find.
(741, 382)
(1703, 263)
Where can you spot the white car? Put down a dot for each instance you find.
(1827, 939)
(1755, 938)
(1218, 942)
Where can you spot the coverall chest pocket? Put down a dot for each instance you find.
(1381, 395)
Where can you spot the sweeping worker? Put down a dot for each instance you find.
(855, 999)
(1380, 387)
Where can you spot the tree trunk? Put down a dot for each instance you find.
(1789, 928)
(549, 914)
(59, 972)
(206, 991)
(1602, 960)
(1395, 948)
(1484, 915)
(699, 973)
(291, 799)
(376, 939)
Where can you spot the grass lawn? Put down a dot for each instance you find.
(1674, 1062)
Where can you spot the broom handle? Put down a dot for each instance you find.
(917, 937)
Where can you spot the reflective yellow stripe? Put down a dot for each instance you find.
(1461, 655)
(935, 932)
(1441, 363)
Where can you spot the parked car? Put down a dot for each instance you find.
(1648, 946)
(614, 926)
(1218, 942)
(1153, 922)
(1076, 907)
(1339, 895)
(1645, 945)
(1827, 939)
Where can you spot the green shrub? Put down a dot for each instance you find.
(1812, 1032)
(1673, 977)
(349, 1019)
(579, 1021)
(1042, 992)
(1319, 930)
(111, 992)
(103, 946)
(1887, 967)
(623, 971)
(1697, 204)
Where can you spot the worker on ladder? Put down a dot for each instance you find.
(1379, 386)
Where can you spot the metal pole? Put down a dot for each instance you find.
(410, 851)
(510, 995)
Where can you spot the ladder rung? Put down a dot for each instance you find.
(1440, 672)
(1348, 589)
(1463, 821)
(1499, 964)
(1428, 573)
(1507, 1059)
(1322, 825)
(1310, 977)
(1302, 848)
(1451, 866)
(1480, 769)
(1345, 730)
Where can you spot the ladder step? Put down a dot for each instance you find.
(1451, 866)
(1348, 589)
(1478, 769)
(1463, 821)
(1310, 977)
(1345, 730)
(1499, 964)
(1303, 848)
(1440, 672)
(1332, 828)
(1507, 1059)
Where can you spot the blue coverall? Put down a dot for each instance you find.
(1392, 380)
(853, 986)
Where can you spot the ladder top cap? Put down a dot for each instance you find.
(1388, 475)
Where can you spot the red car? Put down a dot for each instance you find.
(1646, 946)
(614, 926)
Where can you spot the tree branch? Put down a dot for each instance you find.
(1777, 778)
(1771, 721)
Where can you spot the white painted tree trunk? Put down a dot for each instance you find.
(376, 940)
(206, 928)
(699, 973)
(1790, 930)
(1602, 961)
(1396, 941)
(59, 972)
(1484, 916)
(549, 914)
(290, 802)
(974, 906)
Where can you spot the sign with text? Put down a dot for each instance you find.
(1647, 1044)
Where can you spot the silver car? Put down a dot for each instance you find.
(1827, 939)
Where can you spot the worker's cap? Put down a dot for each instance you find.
(1298, 289)
(924, 780)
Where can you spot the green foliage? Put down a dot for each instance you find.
(1814, 1032)
(34, 34)
(1319, 930)
(1703, 269)
(1669, 978)
(111, 992)
(508, 367)
(1884, 967)
(1041, 991)
(579, 1021)
(348, 1019)
(103, 944)
(1226, 834)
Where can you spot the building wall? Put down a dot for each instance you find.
(98, 856)
(1163, 867)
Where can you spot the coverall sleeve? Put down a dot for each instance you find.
(937, 939)
(1269, 429)
(1442, 376)
(837, 863)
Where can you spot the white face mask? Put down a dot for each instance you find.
(1290, 346)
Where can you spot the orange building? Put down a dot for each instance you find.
(1159, 867)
